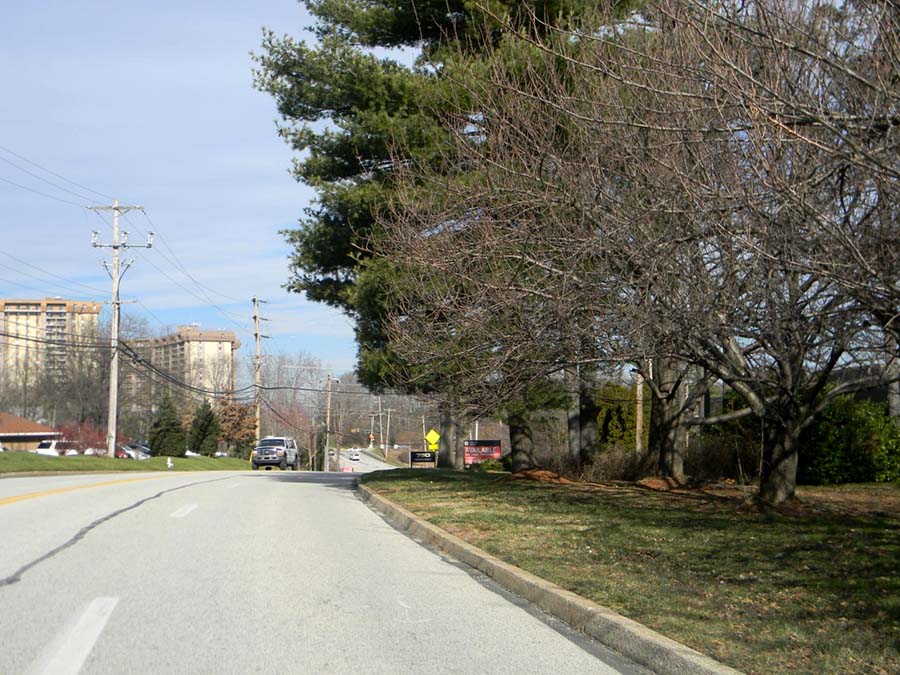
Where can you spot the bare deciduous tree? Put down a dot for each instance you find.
(705, 185)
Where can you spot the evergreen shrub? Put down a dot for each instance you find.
(488, 465)
(853, 441)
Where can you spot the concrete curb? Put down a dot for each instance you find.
(629, 638)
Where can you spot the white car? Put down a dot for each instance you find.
(48, 448)
(353, 455)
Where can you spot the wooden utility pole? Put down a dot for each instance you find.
(381, 430)
(257, 361)
(116, 273)
(387, 440)
(328, 426)
(638, 413)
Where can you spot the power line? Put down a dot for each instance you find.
(319, 391)
(45, 272)
(41, 178)
(42, 194)
(147, 309)
(181, 265)
(86, 345)
(204, 298)
(53, 173)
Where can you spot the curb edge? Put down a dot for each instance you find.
(642, 645)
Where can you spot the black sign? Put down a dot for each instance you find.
(422, 456)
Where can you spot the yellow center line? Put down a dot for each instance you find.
(46, 493)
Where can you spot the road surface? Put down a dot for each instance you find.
(248, 572)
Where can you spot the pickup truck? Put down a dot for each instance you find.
(280, 451)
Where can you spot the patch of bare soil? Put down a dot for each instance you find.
(541, 475)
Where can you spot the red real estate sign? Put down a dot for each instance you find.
(478, 451)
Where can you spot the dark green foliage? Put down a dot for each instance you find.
(203, 437)
(488, 465)
(616, 415)
(354, 117)
(853, 441)
(167, 436)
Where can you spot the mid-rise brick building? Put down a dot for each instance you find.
(40, 335)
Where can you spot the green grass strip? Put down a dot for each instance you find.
(19, 462)
(763, 593)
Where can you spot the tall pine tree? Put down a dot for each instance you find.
(205, 430)
(167, 436)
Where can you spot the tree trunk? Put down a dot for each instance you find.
(520, 441)
(678, 450)
(892, 371)
(573, 416)
(778, 473)
(447, 445)
(667, 441)
(587, 421)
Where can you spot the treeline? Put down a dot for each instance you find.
(557, 193)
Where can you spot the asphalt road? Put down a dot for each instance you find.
(247, 572)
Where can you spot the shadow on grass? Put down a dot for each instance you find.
(814, 584)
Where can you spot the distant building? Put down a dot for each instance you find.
(204, 360)
(39, 335)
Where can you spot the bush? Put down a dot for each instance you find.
(616, 415)
(852, 442)
(611, 462)
(488, 465)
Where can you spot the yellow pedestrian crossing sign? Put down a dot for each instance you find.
(432, 437)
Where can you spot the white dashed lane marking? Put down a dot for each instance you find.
(183, 511)
(68, 651)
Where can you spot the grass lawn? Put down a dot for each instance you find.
(815, 589)
(17, 462)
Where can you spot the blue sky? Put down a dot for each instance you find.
(153, 103)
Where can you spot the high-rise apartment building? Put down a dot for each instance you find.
(202, 359)
(37, 336)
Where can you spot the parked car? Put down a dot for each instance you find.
(132, 453)
(280, 451)
(51, 448)
(141, 447)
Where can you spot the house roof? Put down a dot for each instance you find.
(12, 425)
